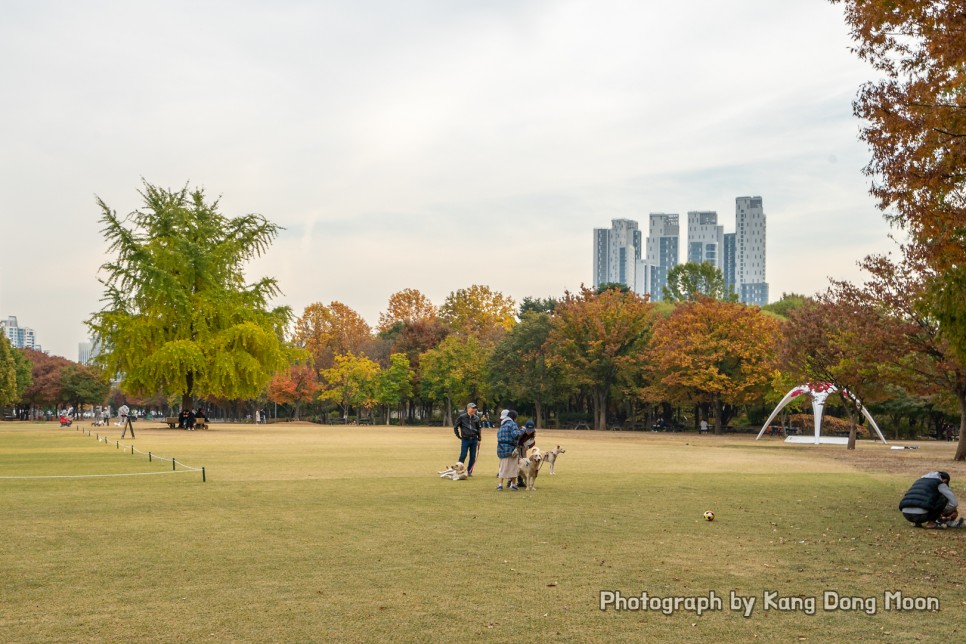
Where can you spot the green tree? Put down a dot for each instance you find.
(688, 282)
(613, 286)
(350, 382)
(80, 384)
(24, 369)
(537, 305)
(179, 316)
(394, 384)
(788, 303)
(598, 341)
(456, 371)
(9, 393)
(519, 368)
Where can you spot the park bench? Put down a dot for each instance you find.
(171, 422)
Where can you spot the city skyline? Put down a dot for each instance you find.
(386, 138)
(740, 256)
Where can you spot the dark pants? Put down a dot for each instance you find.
(127, 426)
(932, 515)
(468, 445)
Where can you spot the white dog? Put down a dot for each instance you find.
(551, 456)
(530, 467)
(456, 472)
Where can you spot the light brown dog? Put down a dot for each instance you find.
(455, 472)
(530, 467)
(551, 456)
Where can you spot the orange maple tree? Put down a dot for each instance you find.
(407, 306)
(713, 352)
(327, 331)
(296, 386)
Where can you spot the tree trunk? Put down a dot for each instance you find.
(961, 447)
(600, 408)
(186, 397)
(852, 429)
(539, 410)
(448, 416)
(718, 415)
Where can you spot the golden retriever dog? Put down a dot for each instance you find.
(455, 472)
(530, 467)
(551, 457)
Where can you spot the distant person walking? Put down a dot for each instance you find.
(467, 429)
(124, 413)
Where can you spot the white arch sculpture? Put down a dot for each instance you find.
(818, 392)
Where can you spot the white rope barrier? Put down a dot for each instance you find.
(185, 469)
(91, 476)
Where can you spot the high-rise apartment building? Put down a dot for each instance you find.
(661, 254)
(616, 252)
(87, 351)
(750, 284)
(728, 263)
(705, 239)
(20, 337)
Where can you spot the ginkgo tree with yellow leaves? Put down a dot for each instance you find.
(179, 316)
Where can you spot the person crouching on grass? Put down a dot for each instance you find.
(929, 503)
(507, 439)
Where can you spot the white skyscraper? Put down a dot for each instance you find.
(705, 239)
(616, 252)
(661, 254)
(20, 337)
(87, 351)
(749, 256)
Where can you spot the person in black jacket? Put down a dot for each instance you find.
(929, 503)
(467, 429)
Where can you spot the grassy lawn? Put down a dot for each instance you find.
(310, 533)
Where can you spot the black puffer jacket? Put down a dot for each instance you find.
(924, 494)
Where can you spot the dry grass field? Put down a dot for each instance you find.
(310, 533)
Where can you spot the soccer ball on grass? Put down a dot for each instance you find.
(708, 515)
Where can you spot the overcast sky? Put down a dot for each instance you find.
(430, 144)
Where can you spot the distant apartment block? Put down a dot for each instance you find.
(616, 252)
(740, 256)
(20, 337)
(87, 351)
(663, 237)
(728, 263)
(705, 239)
(750, 284)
